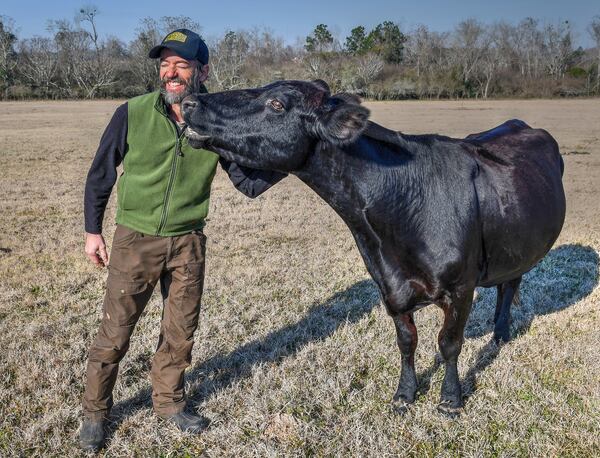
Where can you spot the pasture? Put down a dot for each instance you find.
(294, 354)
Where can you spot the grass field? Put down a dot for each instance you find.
(294, 356)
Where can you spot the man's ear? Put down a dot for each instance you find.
(342, 123)
(199, 76)
(204, 69)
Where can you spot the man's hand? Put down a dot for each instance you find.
(95, 248)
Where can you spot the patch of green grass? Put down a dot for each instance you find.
(527, 394)
(6, 440)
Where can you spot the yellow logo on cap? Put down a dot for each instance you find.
(176, 36)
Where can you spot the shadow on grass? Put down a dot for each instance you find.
(566, 275)
(222, 370)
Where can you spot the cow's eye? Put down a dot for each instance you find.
(276, 105)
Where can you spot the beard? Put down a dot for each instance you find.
(172, 98)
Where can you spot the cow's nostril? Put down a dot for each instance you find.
(188, 104)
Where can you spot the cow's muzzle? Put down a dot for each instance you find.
(189, 104)
(197, 140)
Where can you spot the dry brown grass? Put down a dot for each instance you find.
(294, 354)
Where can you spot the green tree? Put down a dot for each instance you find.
(358, 42)
(388, 41)
(320, 40)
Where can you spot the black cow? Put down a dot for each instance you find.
(433, 217)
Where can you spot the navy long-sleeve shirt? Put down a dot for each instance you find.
(111, 151)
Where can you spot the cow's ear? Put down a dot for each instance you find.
(348, 98)
(322, 85)
(341, 123)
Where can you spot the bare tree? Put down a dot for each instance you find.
(267, 56)
(367, 68)
(594, 31)
(145, 69)
(87, 64)
(8, 56)
(95, 68)
(471, 42)
(68, 42)
(428, 53)
(39, 63)
(265, 48)
(228, 57)
(528, 46)
(316, 67)
(506, 40)
(169, 23)
(426, 50)
(497, 56)
(418, 48)
(321, 66)
(558, 48)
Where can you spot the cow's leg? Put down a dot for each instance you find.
(397, 294)
(450, 339)
(506, 294)
(406, 336)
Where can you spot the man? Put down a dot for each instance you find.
(163, 199)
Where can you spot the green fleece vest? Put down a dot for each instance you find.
(165, 185)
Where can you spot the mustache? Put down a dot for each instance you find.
(177, 79)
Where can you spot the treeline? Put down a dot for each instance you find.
(475, 60)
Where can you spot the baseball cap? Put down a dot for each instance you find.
(185, 43)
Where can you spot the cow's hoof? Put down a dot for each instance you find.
(449, 409)
(401, 402)
(501, 337)
(400, 406)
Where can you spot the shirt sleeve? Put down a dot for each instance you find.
(251, 182)
(103, 172)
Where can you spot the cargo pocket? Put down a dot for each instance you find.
(125, 301)
(194, 278)
(192, 296)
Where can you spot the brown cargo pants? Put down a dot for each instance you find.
(137, 262)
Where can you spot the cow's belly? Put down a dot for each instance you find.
(505, 259)
(520, 223)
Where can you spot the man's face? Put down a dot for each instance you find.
(177, 76)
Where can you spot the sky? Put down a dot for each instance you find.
(296, 19)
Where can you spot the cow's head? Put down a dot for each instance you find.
(273, 127)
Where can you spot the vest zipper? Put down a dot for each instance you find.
(165, 210)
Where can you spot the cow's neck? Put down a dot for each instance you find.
(353, 178)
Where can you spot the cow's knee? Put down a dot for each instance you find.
(450, 346)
